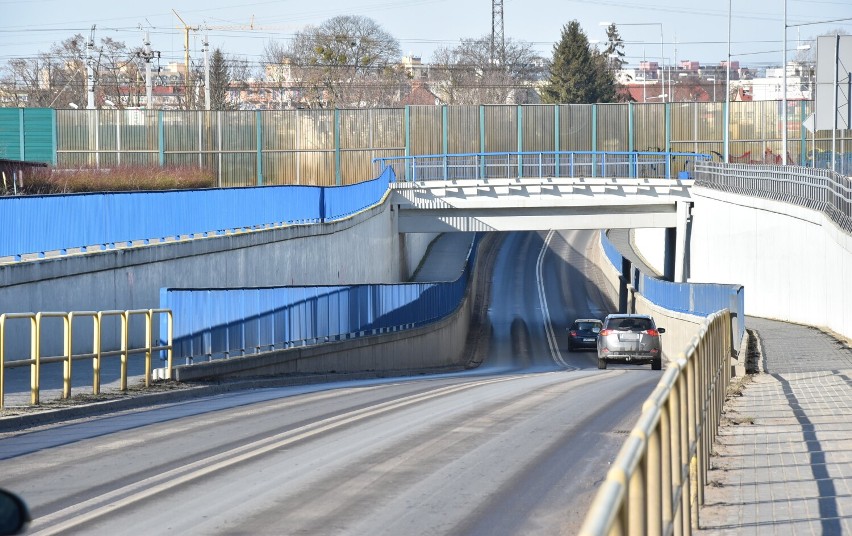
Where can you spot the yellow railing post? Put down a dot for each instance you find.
(67, 319)
(683, 448)
(667, 484)
(691, 413)
(35, 356)
(170, 351)
(148, 341)
(125, 336)
(2, 361)
(96, 349)
(654, 491)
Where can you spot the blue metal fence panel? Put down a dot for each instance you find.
(342, 201)
(217, 323)
(38, 224)
(542, 165)
(701, 299)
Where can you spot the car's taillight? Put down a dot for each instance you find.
(652, 332)
(573, 333)
(605, 332)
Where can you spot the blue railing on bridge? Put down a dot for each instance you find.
(219, 323)
(567, 164)
(40, 224)
(700, 299)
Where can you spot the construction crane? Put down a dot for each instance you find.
(186, 29)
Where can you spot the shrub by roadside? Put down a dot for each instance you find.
(42, 181)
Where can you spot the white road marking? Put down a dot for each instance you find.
(61, 521)
(548, 327)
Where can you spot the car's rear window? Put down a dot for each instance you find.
(632, 324)
(588, 325)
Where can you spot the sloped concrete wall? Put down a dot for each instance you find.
(795, 264)
(365, 248)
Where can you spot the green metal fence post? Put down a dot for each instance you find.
(337, 176)
(407, 118)
(520, 114)
(444, 136)
(668, 106)
(259, 121)
(22, 126)
(445, 144)
(482, 140)
(54, 148)
(630, 110)
(668, 109)
(594, 140)
(556, 135)
(161, 138)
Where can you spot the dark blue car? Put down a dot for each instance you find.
(583, 334)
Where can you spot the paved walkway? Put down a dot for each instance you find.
(783, 458)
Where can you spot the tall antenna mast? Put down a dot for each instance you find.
(498, 42)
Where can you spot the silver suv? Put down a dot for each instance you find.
(630, 339)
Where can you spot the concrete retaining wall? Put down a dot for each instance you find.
(434, 347)
(365, 248)
(794, 262)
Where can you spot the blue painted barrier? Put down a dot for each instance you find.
(39, 224)
(221, 323)
(700, 299)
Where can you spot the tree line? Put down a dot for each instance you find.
(347, 61)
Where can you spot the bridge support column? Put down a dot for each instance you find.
(676, 245)
(625, 286)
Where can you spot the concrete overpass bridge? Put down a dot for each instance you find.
(489, 192)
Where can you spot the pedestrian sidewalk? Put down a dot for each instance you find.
(782, 462)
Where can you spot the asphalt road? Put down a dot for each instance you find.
(517, 446)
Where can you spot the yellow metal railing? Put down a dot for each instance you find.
(656, 483)
(68, 357)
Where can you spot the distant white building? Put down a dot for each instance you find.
(771, 87)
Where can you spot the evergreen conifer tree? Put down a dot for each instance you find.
(578, 73)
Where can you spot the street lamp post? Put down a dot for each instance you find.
(662, 53)
(727, 141)
(784, 95)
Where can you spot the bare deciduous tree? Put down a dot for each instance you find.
(465, 74)
(346, 61)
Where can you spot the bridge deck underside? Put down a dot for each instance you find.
(539, 204)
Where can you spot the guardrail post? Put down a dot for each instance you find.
(637, 502)
(681, 406)
(692, 419)
(149, 315)
(169, 351)
(66, 372)
(2, 361)
(667, 461)
(654, 490)
(96, 349)
(125, 336)
(35, 356)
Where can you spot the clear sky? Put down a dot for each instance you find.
(690, 29)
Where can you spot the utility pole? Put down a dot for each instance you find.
(498, 41)
(147, 54)
(90, 71)
(206, 72)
